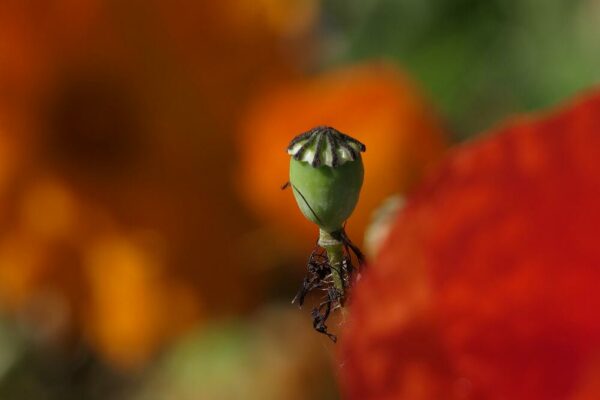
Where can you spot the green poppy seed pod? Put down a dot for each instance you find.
(326, 175)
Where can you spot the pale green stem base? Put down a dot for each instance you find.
(335, 254)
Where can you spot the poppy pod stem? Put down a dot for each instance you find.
(335, 253)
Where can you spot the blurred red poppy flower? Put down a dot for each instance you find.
(487, 287)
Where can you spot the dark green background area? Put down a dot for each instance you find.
(479, 60)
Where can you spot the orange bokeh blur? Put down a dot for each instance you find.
(487, 287)
(374, 103)
(116, 121)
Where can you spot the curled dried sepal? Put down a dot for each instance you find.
(330, 277)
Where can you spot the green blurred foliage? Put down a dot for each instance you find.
(30, 371)
(480, 60)
(272, 355)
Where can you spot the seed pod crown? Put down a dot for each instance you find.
(324, 145)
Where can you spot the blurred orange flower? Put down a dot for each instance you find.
(487, 287)
(66, 267)
(118, 217)
(375, 103)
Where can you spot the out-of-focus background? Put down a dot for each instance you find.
(146, 249)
